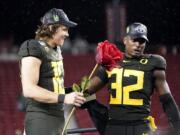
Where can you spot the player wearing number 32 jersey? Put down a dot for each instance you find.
(131, 86)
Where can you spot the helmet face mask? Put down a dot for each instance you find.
(57, 16)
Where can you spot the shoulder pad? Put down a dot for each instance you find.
(30, 48)
(158, 61)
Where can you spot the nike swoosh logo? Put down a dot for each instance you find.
(126, 61)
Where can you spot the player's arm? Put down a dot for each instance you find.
(98, 81)
(30, 67)
(166, 98)
(95, 84)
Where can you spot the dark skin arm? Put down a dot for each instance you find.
(168, 102)
(161, 84)
(95, 85)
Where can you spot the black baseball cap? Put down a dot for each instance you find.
(57, 16)
(137, 30)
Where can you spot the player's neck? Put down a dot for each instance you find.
(51, 43)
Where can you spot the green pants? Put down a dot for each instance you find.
(39, 123)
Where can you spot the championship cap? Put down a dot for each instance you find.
(137, 30)
(57, 16)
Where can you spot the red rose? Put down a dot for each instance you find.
(108, 55)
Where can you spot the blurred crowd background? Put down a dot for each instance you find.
(97, 20)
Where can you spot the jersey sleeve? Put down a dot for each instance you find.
(102, 74)
(160, 62)
(30, 48)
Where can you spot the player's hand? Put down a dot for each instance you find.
(74, 98)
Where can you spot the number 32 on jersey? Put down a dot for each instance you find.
(122, 93)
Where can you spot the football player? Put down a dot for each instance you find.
(42, 76)
(132, 85)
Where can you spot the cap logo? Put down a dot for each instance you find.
(56, 18)
(140, 29)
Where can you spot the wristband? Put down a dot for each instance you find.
(61, 98)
